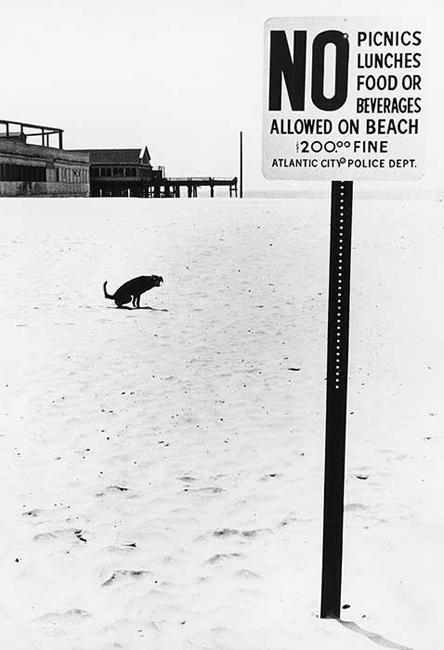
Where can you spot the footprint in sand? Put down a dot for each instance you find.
(122, 549)
(126, 575)
(225, 532)
(219, 558)
(229, 532)
(68, 534)
(205, 490)
(246, 574)
(255, 532)
(112, 489)
(74, 615)
(293, 518)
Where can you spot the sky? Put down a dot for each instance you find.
(183, 78)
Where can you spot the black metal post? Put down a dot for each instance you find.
(336, 413)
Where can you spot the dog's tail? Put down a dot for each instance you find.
(107, 295)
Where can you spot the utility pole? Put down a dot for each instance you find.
(241, 166)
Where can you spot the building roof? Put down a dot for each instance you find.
(13, 148)
(113, 156)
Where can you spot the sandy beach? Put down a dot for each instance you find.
(162, 468)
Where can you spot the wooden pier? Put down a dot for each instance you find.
(128, 172)
(171, 187)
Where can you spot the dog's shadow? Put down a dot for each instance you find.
(150, 308)
(140, 308)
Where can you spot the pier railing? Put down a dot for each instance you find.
(199, 179)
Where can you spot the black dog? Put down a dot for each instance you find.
(133, 289)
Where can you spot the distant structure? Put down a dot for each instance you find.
(171, 187)
(128, 172)
(41, 169)
(122, 172)
(44, 168)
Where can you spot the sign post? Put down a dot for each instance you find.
(342, 99)
(336, 411)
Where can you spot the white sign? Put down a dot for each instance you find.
(344, 99)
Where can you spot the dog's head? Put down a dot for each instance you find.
(156, 280)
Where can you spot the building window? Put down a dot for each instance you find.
(23, 173)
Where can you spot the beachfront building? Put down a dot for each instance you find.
(34, 163)
(122, 172)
